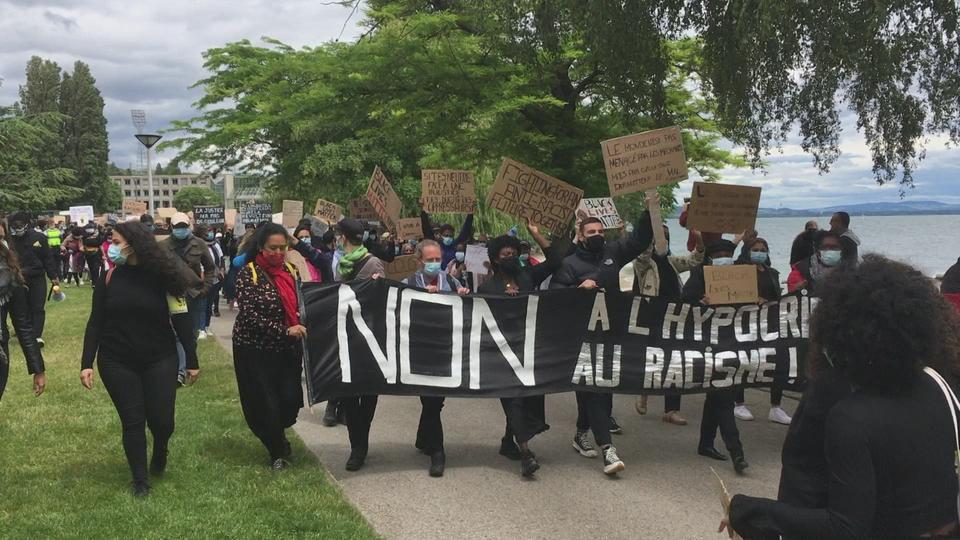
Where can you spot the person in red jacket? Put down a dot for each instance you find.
(828, 255)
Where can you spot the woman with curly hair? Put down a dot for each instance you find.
(890, 445)
(137, 317)
(13, 301)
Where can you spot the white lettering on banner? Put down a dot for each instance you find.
(599, 313)
(632, 326)
(722, 317)
(483, 316)
(707, 367)
(680, 319)
(749, 364)
(689, 357)
(700, 316)
(789, 313)
(793, 365)
(349, 304)
(583, 373)
(720, 368)
(766, 352)
(673, 377)
(407, 376)
(765, 333)
(614, 379)
(651, 371)
(750, 310)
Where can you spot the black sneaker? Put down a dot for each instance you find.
(438, 462)
(330, 414)
(509, 449)
(279, 464)
(581, 443)
(158, 462)
(711, 452)
(615, 427)
(528, 464)
(612, 464)
(740, 464)
(356, 460)
(181, 379)
(140, 489)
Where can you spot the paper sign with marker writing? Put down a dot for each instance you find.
(401, 267)
(723, 208)
(645, 160)
(476, 258)
(208, 215)
(328, 211)
(410, 229)
(448, 191)
(292, 213)
(732, 284)
(362, 209)
(534, 196)
(385, 201)
(256, 213)
(601, 208)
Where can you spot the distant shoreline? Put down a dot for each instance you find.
(767, 213)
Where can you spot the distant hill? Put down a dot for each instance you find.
(903, 208)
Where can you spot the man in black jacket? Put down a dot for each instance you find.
(36, 265)
(596, 263)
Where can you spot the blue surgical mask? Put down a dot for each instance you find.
(431, 268)
(460, 256)
(759, 257)
(115, 253)
(448, 240)
(722, 261)
(830, 257)
(181, 234)
(210, 236)
(524, 257)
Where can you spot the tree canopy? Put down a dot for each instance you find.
(191, 196)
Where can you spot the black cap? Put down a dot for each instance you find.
(720, 245)
(352, 229)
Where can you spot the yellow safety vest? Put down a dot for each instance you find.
(53, 238)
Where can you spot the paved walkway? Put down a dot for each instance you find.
(666, 491)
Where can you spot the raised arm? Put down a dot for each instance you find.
(466, 232)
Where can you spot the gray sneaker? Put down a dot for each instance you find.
(581, 443)
(611, 461)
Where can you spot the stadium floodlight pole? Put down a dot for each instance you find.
(148, 140)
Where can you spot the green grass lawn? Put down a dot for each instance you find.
(63, 473)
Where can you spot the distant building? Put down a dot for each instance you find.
(165, 186)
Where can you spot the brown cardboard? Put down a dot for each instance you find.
(410, 229)
(362, 209)
(328, 211)
(449, 191)
(401, 267)
(733, 284)
(644, 161)
(135, 208)
(534, 196)
(292, 213)
(384, 199)
(723, 208)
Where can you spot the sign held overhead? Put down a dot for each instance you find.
(601, 208)
(723, 208)
(644, 161)
(385, 201)
(448, 191)
(534, 196)
(328, 211)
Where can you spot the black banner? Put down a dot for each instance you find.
(208, 215)
(381, 337)
(256, 213)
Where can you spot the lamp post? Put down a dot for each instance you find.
(148, 140)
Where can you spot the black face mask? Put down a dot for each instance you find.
(510, 265)
(595, 243)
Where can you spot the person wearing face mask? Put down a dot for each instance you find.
(595, 263)
(137, 316)
(73, 256)
(828, 256)
(318, 262)
(525, 416)
(37, 264)
(13, 301)
(431, 278)
(92, 242)
(803, 245)
(458, 267)
(356, 263)
(719, 403)
(213, 295)
(444, 235)
(268, 341)
(147, 221)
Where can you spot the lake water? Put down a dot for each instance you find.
(929, 243)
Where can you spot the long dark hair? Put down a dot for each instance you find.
(260, 236)
(151, 257)
(9, 256)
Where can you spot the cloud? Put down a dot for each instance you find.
(67, 23)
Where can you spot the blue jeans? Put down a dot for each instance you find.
(181, 359)
(197, 307)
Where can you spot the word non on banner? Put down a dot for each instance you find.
(723, 208)
(601, 208)
(534, 196)
(448, 191)
(401, 267)
(645, 160)
(384, 199)
(328, 211)
(208, 215)
(409, 229)
(292, 213)
(256, 213)
(380, 337)
(134, 208)
(81, 214)
(733, 284)
(362, 209)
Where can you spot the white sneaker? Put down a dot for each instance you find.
(209, 332)
(742, 413)
(612, 464)
(779, 416)
(201, 335)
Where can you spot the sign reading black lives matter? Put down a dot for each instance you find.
(208, 215)
(256, 212)
(379, 337)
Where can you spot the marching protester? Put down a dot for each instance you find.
(444, 234)
(525, 416)
(213, 295)
(807, 273)
(13, 302)
(357, 263)
(37, 264)
(72, 248)
(719, 403)
(657, 274)
(757, 253)
(804, 245)
(584, 269)
(92, 252)
(137, 316)
(319, 261)
(890, 446)
(268, 341)
(430, 277)
(840, 224)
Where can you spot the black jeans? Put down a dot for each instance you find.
(144, 396)
(592, 413)
(359, 411)
(526, 417)
(718, 413)
(270, 392)
(37, 300)
(213, 301)
(776, 394)
(94, 265)
(430, 430)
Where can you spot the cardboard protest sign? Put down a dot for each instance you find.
(409, 229)
(295, 258)
(601, 208)
(401, 267)
(533, 196)
(723, 208)
(135, 208)
(208, 215)
(362, 209)
(733, 284)
(384, 199)
(256, 213)
(448, 191)
(166, 213)
(645, 160)
(292, 213)
(476, 258)
(328, 211)
(230, 219)
(81, 214)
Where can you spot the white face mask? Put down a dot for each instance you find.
(722, 261)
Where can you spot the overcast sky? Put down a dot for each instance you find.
(145, 55)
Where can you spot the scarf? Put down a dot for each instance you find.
(348, 260)
(286, 288)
